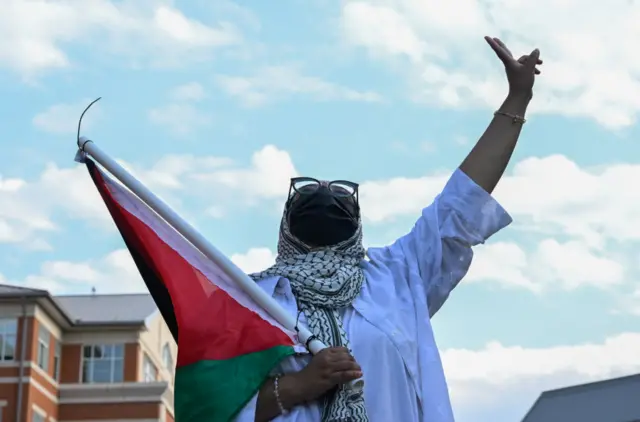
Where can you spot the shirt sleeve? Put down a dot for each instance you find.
(302, 413)
(437, 251)
(248, 412)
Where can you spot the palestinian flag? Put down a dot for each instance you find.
(227, 345)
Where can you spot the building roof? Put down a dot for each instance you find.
(8, 290)
(117, 308)
(90, 309)
(603, 401)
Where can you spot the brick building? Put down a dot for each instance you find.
(84, 358)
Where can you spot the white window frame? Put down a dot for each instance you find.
(112, 359)
(44, 347)
(8, 329)
(167, 359)
(57, 358)
(36, 413)
(149, 369)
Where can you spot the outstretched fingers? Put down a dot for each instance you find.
(501, 51)
(503, 45)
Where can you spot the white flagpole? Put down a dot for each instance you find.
(245, 282)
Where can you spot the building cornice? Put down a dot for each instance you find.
(128, 392)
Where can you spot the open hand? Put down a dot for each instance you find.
(521, 73)
(330, 367)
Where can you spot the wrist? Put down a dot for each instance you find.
(516, 103)
(292, 389)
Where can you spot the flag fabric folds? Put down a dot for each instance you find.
(227, 345)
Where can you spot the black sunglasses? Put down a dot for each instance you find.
(308, 185)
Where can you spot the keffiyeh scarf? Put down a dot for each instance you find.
(324, 282)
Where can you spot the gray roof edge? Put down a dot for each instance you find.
(115, 324)
(151, 316)
(21, 291)
(590, 385)
(37, 295)
(576, 388)
(126, 309)
(101, 294)
(12, 292)
(533, 406)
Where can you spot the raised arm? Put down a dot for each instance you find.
(437, 253)
(488, 159)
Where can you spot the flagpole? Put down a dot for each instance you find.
(247, 284)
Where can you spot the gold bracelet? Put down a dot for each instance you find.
(514, 117)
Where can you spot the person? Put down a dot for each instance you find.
(373, 308)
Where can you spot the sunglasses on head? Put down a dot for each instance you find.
(308, 185)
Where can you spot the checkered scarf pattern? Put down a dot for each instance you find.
(323, 282)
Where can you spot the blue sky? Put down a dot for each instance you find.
(215, 105)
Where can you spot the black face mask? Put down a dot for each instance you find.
(322, 219)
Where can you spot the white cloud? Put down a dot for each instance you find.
(10, 185)
(63, 118)
(588, 70)
(116, 273)
(228, 183)
(631, 303)
(384, 200)
(32, 207)
(589, 204)
(191, 91)
(267, 177)
(113, 273)
(180, 118)
(589, 208)
(503, 263)
(180, 115)
(35, 33)
(70, 190)
(551, 265)
(502, 382)
(277, 82)
(171, 172)
(19, 218)
(254, 260)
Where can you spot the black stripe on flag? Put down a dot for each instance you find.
(147, 270)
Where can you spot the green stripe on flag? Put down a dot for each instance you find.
(217, 390)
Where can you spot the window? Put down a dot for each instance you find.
(44, 340)
(56, 361)
(8, 330)
(150, 373)
(103, 363)
(38, 417)
(167, 360)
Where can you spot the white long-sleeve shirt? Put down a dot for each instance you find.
(389, 322)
